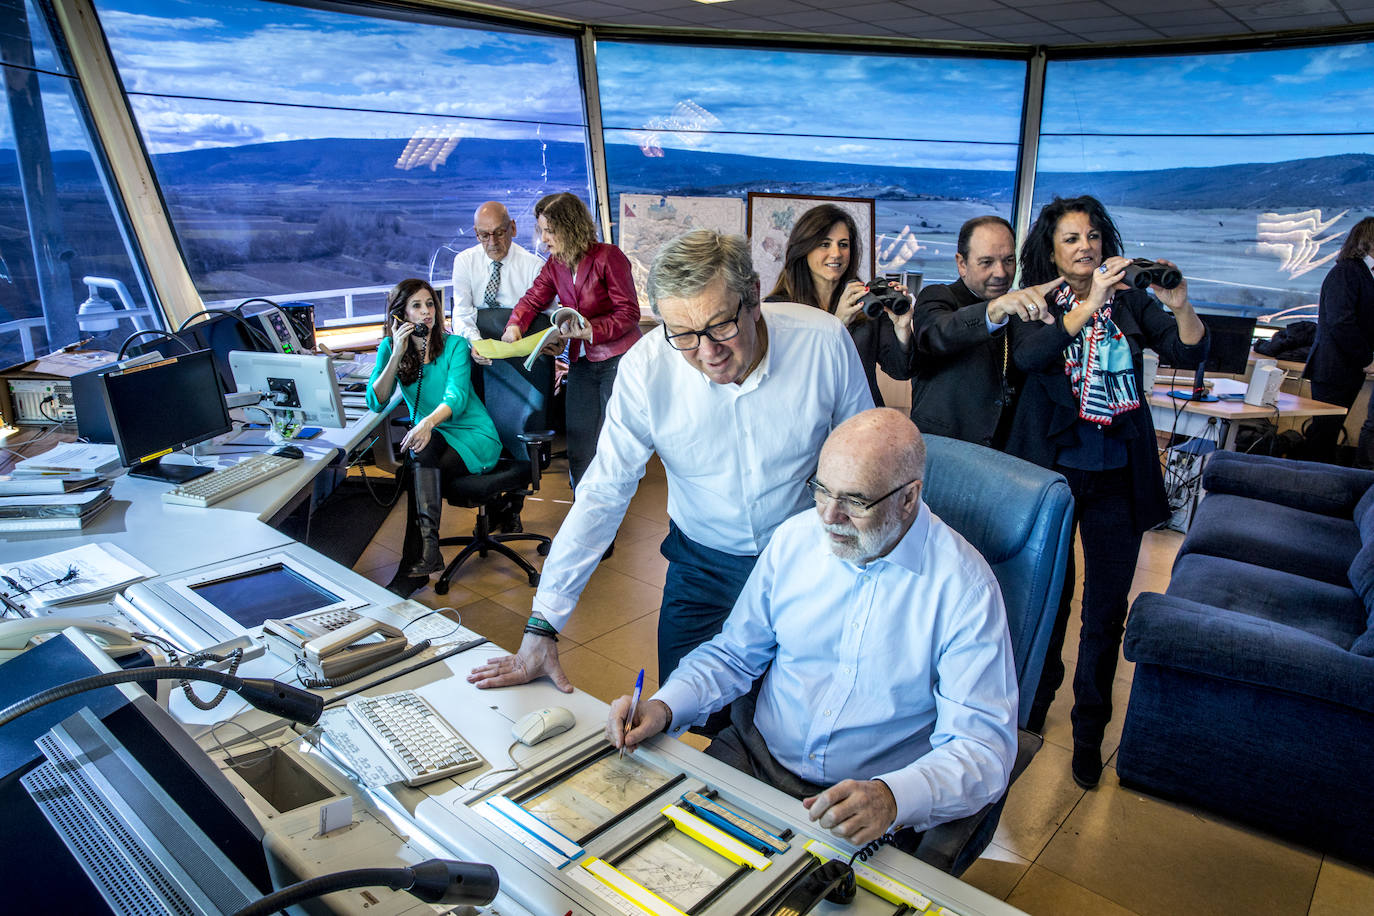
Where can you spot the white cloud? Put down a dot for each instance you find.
(1329, 61)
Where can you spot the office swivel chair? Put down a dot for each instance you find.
(1019, 516)
(516, 399)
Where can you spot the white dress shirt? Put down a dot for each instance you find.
(472, 272)
(901, 670)
(737, 456)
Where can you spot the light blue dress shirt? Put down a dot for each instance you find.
(900, 670)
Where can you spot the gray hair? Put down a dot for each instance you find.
(687, 265)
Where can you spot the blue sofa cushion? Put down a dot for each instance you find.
(1331, 612)
(1274, 536)
(1174, 632)
(1320, 488)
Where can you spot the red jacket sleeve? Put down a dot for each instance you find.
(620, 290)
(539, 297)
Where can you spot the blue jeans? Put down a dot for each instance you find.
(698, 593)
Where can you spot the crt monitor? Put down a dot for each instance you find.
(161, 407)
(1229, 338)
(292, 381)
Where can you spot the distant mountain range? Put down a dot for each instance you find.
(1327, 181)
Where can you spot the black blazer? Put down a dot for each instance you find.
(1345, 328)
(1048, 412)
(956, 367)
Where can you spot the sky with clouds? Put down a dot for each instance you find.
(247, 71)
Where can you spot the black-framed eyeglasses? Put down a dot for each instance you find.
(720, 332)
(852, 506)
(493, 234)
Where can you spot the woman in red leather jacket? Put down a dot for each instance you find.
(593, 278)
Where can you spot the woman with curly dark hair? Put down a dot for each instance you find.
(1083, 413)
(594, 278)
(821, 269)
(434, 370)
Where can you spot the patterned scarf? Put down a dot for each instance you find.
(1098, 364)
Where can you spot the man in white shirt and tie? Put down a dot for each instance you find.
(889, 698)
(494, 273)
(736, 397)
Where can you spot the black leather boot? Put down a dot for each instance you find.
(429, 504)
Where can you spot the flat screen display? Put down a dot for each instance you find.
(164, 406)
(261, 594)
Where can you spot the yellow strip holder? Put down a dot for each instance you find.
(630, 889)
(874, 881)
(715, 839)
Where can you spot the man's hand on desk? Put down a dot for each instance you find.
(652, 717)
(856, 811)
(538, 656)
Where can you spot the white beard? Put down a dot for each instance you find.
(864, 545)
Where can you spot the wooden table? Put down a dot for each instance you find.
(1195, 418)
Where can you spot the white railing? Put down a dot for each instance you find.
(347, 294)
(26, 327)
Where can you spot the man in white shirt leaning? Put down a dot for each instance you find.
(736, 398)
(494, 273)
(890, 695)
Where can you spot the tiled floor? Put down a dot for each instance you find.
(1058, 850)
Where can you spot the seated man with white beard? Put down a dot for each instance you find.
(889, 698)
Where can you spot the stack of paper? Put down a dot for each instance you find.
(99, 569)
(51, 513)
(72, 458)
(43, 485)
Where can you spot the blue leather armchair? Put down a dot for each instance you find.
(1019, 516)
(1253, 693)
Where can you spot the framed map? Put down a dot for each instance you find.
(647, 221)
(772, 216)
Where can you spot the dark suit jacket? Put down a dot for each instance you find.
(1345, 330)
(603, 292)
(1047, 413)
(956, 385)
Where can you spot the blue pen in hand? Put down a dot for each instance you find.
(634, 704)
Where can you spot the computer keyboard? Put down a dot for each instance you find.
(224, 483)
(416, 738)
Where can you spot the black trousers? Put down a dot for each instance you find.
(1323, 433)
(589, 388)
(1104, 515)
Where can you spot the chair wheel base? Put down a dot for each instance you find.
(534, 580)
(441, 587)
(542, 549)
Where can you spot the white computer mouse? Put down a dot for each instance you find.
(543, 723)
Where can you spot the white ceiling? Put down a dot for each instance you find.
(1022, 22)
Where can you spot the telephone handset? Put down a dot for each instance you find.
(335, 643)
(18, 635)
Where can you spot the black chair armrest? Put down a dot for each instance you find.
(535, 440)
(955, 845)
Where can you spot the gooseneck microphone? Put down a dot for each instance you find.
(262, 693)
(433, 881)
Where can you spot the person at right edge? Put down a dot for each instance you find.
(1345, 344)
(1082, 413)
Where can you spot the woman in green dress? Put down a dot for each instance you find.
(434, 370)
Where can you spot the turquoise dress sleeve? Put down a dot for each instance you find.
(448, 380)
(470, 430)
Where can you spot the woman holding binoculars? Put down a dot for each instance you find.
(821, 269)
(1083, 413)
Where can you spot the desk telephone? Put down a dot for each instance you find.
(18, 635)
(335, 642)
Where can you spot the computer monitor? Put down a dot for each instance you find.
(222, 333)
(162, 407)
(1229, 338)
(292, 381)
